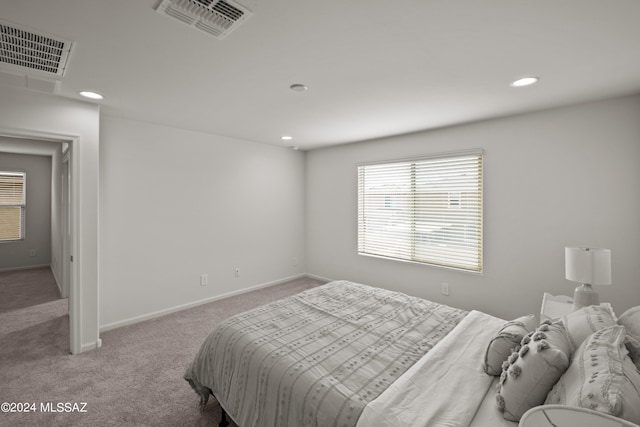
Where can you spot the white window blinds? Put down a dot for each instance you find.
(12, 205)
(426, 210)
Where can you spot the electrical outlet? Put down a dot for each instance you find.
(32, 252)
(236, 272)
(444, 288)
(204, 279)
(295, 261)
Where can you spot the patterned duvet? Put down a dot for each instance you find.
(316, 358)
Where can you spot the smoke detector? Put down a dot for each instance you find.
(216, 17)
(25, 51)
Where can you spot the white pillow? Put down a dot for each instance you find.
(601, 377)
(503, 343)
(582, 323)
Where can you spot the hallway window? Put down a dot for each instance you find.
(12, 205)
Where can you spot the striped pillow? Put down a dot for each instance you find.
(601, 377)
(584, 322)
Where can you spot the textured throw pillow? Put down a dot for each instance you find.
(533, 369)
(630, 319)
(584, 322)
(601, 377)
(503, 343)
(633, 346)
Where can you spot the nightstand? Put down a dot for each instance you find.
(554, 307)
(566, 416)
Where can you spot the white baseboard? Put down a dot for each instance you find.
(323, 279)
(153, 315)
(91, 346)
(53, 272)
(26, 267)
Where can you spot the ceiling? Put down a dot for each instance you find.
(373, 68)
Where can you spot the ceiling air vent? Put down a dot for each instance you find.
(216, 17)
(24, 50)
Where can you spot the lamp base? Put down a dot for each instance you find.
(583, 296)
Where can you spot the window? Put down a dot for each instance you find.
(426, 210)
(12, 205)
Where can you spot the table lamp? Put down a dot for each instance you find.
(588, 266)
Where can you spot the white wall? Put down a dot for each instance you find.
(554, 178)
(25, 113)
(17, 254)
(175, 204)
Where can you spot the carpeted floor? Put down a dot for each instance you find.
(24, 288)
(135, 378)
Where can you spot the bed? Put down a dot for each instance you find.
(350, 355)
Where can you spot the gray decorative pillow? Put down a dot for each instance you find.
(633, 346)
(601, 377)
(630, 319)
(533, 369)
(503, 343)
(582, 323)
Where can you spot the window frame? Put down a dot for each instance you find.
(414, 217)
(22, 205)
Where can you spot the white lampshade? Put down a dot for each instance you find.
(590, 266)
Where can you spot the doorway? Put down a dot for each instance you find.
(63, 226)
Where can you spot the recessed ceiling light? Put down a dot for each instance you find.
(525, 81)
(297, 87)
(286, 138)
(91, 95)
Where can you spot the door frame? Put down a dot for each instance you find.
(75, 290)
(66, 220)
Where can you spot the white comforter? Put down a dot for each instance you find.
(446, 387)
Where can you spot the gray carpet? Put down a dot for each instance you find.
(24, 288)
(135, 378)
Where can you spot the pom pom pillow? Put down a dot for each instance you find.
(601, 377)
(533, 369)
(503, 343)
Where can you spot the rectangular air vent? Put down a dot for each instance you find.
(216, 17)
(24, 50)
